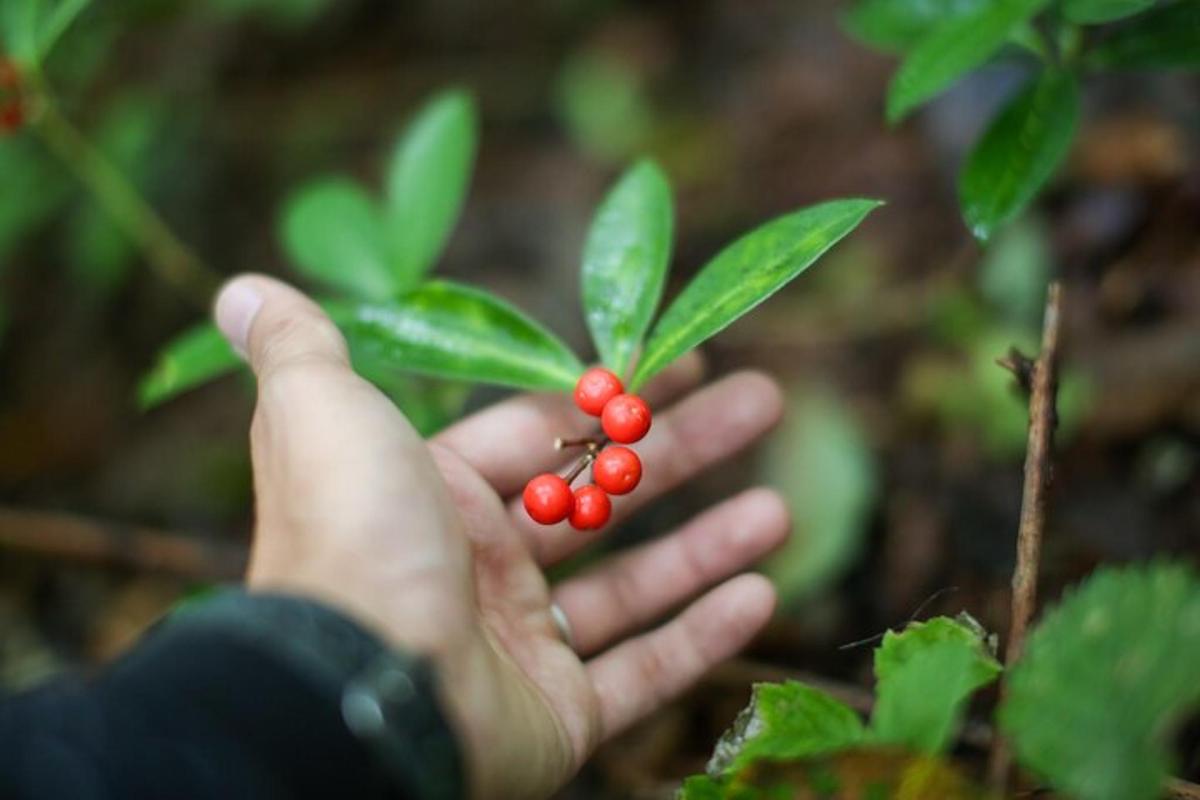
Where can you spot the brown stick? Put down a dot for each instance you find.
(66, 536)
(1043, 418)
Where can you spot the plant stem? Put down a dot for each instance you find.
(170, 258)
(52, 534)
(1042, 376)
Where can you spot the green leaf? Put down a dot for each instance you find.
(953, 49)
(1103, 678)
(333, 233)
(744, 274)
(29, 29)
(1015, 272)
(1020, 151)
(625, 263)
(785, 721)
(427, 183)
(197, 356)
(897, 25)
(924, 677)
(1167, 37)
(454, 331)
(602, 102)
(1094, 12)
(821, 462)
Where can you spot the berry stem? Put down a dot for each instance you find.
(561, 443)
(583, 463)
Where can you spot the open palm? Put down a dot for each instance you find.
(427, 542)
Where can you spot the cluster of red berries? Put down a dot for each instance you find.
(625, 419)
(12, 112)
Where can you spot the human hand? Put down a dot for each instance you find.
(427, 544)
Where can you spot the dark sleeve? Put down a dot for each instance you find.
(243, 696)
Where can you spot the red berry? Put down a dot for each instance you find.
(548, 499)
(626, 418)
(617, 470)
(592, 508)
(595, 388)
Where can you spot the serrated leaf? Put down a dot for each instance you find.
(333, 233)
(745, 274)
(953, 49)
(454, 331)
(785, 721)
(1020, 151)
(1167, 37)
(29, 29)
(427, 182)
(1103, 677)
(867, 773)
(625, 263)
(924, 676)
(195, 357)
(1094, 12)
(897, 25)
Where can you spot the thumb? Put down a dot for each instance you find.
(273, 325)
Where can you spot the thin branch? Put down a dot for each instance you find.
(1043, 418)
(69, 537)
(170, 258)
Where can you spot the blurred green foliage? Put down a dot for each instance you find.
(941, 41)
(1104, 677)
(961, 385)
(820, 460)
(603, 103)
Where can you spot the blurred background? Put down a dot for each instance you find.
(901, 453)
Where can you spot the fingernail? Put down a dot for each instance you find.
(237, 307)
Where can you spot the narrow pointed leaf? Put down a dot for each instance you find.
(333, 233)
(1167, 37)
(195, 357)
(427, 183)
(1019, 153)
(744, 274)
(1094, 12)
(953, 49)
(625, 263)
(925, 674)
(454, 331)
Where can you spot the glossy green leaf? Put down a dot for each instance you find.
(1019, 153)
(334, 233)
(195, 357)
(744, 274)
(924, 676)
(953, 49)
(454, 331)
(898, 25)
(625, 263)
(29, 29)
(427, 182)
(1094, 12)
(785, 721)
(1104, 676)
(1167, 37)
